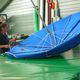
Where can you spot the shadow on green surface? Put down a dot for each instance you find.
(76, 76)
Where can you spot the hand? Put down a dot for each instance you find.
(13, 40)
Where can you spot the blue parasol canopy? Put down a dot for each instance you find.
(52, 40)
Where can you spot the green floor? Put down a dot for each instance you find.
(56, 68)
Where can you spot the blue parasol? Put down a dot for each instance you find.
(63, 35)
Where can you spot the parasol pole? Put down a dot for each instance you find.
(41, 17)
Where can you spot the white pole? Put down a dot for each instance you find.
(46, 13)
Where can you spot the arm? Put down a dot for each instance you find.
(4, 46)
